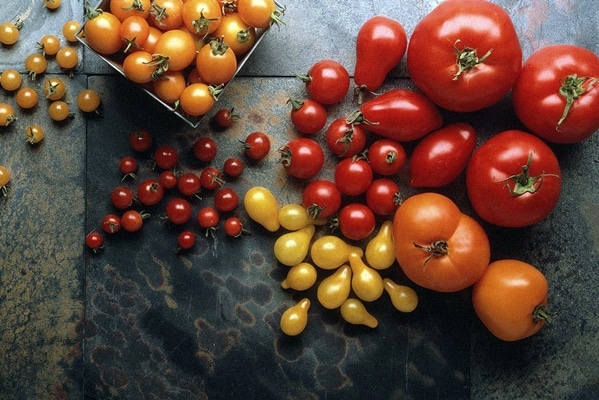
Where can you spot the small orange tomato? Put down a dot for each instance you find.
(26, 98)
(139, 67)
(511, 299)
(88, 100)
(169, 86)
(237, 34)
(134, 32)
(167, 14)
(153, 36)
(102, 31)
(177, 48)
(216, 63)
(197, 99)
(201, 17)
(126, 8)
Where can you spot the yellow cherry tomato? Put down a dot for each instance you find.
(34, 134)
(292, 248)
(294, 216)
(330, 251)
(300, 277)
(7, 114)
(354, 312)
(295, 319)
(262, 206)
(54, 88)
(10, 79)
(334, 289)
(26, 98)
(404, 298)
(366, 282)
(380, 253)
(4, 180)
(88, 100)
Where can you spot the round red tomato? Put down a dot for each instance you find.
(133, 220)
(513, 179)
(150, 192)
(465, 55)
(382, 196)
(353, 176)
(208, 218)
(94, 241)
(308, 116)
(356, 221)
(140, 140)
(121, 197)
(205, 149)
(321, 198)
(166, 157)
(387, 157)
(233, 167)
(327, 82)
(344, 139)
(440, 157)
(189, 184)
(186, 240)
(557, 93)
(111, 223)
(178, 210)
(437, 246)
(302, 158)
(226, 199)
(256, 145)
(233, 227)
(168, 179)
(211, 178)
(511, 299)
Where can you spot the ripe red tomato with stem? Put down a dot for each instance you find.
(121, 197)
(186, 240)
(208, 218)
(387, 157)
(133, 220)
(166, 157)
(353, 175)
(327, 82)
(226, 199)
(465, 55)
(178, 210)
(94, 241)
(302, 158)
(205, 149)
(111, 223)
(383, 196)
(211, 178)
(150, 192)
(356, 221)
(189, 184)
(380, 46)
(399, 114)
(345, 140)
(441, 156)
(321, 198)
(513, 179)
(140, 140)
(307, 116)
(233, 167)
(510, 299)
(128, 166)
(556, 95)
(225, 117)
(233, 227)
(168, 179)
(256, 145)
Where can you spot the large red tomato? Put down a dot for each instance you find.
(557, 93)
(437, 246)
(465, 54)
(511, 299)
(513, 179)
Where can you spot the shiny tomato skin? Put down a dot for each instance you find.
(256, 145)
(345, 140)
(327, 82)
(353, 176)
(380, 46)
(440, 157)
(491, 179)
(321, 199)
(383, 196)
(437, 246)
(307, 116)
(356, 221)
(539, 104)
(140, 140)
(102, 32)
(399, 114)
(387, 157)
(507, 299)
(150, 192)
(458, 25)
(302, 158)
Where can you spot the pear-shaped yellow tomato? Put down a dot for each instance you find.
(262, 206)
(295, 318)
(403, 298)
(330, 251)
(366, 282)
(380, 253)
(292, 248)
(354, 312)
(334, 289)
(300, 277)
(294, 216)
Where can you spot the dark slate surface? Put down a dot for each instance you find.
(141, 320)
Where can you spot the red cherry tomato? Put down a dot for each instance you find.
(189, 184)
(345, 140)
(150, 192)
(205, 149)
(380, 46)
(211, 178)
(133, 220)
(483, 40)
(233, 227)
(356, 221)
(111, 223)
(208, 218)
(302, 158)
(226, 199)
(140, 140)
(513, 179)
(128, 166)
(168, 179)
(327, 82)
(308, 116)
(166, 157)
(321, 198)
(387, 157)
(94, 241)
(178, 210)
(353, 176)
(186, 240)
(383, 196)
(121, 197)
(256, 145)
(233, 167)
(440, 157)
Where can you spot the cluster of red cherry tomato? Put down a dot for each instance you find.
(183, 51)
(172, 193)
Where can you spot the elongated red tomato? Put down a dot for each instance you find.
(439, 158)
(557, 93)
(513, 179)
(398, 114)
(380, 46)
(465, 54)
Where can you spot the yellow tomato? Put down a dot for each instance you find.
(354, 312)
(292, 248)
(300, 277)
(404, 298)
(294, 216)
(262, 206)
(329, 252)
(334, 289)
(380, 253)
(366, 282)
(294, 319)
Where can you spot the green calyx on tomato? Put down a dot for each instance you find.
(523, 182)
(542, 314)
(201, 26)
(438, 248)
(91, 12)
(572, 88)
(467, 58)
